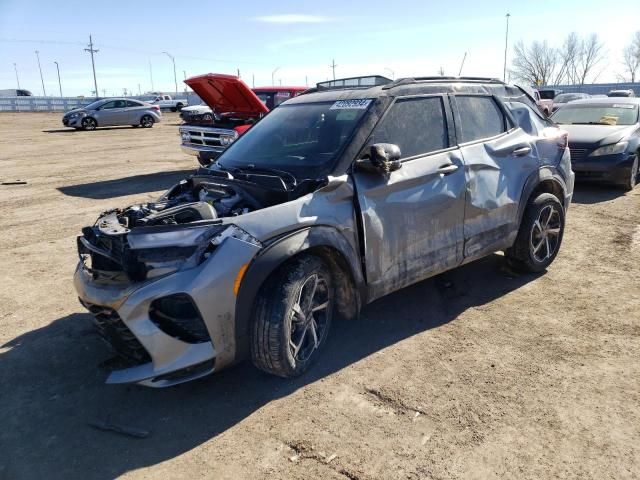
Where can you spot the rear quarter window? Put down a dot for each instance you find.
(480, 117)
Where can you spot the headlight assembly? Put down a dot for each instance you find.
(610, 149)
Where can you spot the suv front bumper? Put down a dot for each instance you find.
(210, 286)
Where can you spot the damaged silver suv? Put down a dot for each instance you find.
(348, 192)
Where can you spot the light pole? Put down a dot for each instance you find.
(41, 78)
(333, 68)
(506, 43)
(175, 77)
(59, 82)
(15, 67)
(273, 75)
(151, 75)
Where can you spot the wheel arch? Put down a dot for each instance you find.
(545, 180)
(323, 241)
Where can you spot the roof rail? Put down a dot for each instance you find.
(354, 82)
(438, 79)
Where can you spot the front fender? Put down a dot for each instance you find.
(277, 253)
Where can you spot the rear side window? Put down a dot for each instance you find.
(131, 103)
(416, 125)
(480, 117)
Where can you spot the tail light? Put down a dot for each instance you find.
(155, 107)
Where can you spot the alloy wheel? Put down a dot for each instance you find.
(309, 316)
(545, 234)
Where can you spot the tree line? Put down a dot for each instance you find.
(577, 61)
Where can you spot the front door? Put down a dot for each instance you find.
(113, 113)
(413, 217)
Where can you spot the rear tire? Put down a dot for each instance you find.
(89, 123)
(540, 234)
(147, 121)
(633, 176)
(292, 317)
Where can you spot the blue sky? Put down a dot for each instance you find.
(398, 37)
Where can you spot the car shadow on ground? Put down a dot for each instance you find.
(56, 388)
(150, 182)
(99, 129)
(590, 193)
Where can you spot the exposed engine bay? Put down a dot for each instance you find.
(181, 227)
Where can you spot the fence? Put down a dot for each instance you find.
(596, 88)
(63, 104)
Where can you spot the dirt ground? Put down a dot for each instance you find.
(478, 373)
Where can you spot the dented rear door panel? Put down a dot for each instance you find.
(496, 170)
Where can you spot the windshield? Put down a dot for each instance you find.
(93, 105)
(567, 97)
(607, 114)
(304, 139)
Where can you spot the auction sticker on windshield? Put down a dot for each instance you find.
(360, 104)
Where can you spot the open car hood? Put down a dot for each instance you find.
(226, 93)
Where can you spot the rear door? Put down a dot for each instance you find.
(498, 159)
(412, 218)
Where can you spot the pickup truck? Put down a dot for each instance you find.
(230, 108)
(166, 102)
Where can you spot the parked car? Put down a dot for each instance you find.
(113, 111)
(549, 93)
(544, 104)
(604, 138)
(621, 93)
(338, 197)
(230, 109)
(168, 103)
(565, 98)
(12, 92)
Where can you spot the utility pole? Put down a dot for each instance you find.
(462, 64)
(139, 91)
(393, 74)
(238, 72)
(15, 67)
(91, 50)
(151, 75)
(59, 82)
(175, 77)
(104, 92)
(184, 73)
(273, 74)
(253, 80)
(506, 43)
(40, 68)
(441, 72)
(306, 81)
(333, 67)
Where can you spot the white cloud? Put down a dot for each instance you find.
(292, 18)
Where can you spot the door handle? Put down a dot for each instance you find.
(521, 152)
(447, 169)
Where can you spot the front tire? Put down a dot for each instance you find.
(89, 123)
(179, 107)
(540, 234)
(146, 121)
(292, 317)
(633, 176)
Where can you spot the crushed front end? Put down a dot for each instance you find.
(161, 280)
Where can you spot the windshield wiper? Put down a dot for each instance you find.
(592, 123)
(256, 169)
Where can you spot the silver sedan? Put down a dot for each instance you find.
(113, 111)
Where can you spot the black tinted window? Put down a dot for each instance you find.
(108, 105)
(480, 117)
(416, 125)
(131, 103)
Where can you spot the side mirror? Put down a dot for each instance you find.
(382, 158)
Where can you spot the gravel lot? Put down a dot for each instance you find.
(478, 373)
